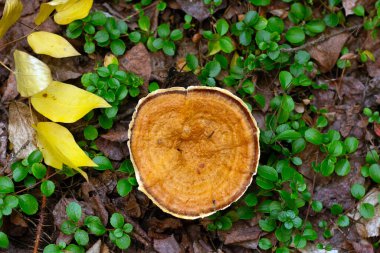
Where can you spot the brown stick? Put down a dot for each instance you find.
(40, 225)
(321, 39)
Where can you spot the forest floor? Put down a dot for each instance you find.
(335, 77)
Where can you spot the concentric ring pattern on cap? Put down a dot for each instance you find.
(194, 150)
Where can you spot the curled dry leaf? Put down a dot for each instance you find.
(21, 133)
(51, 44)
(61, 102)
(12, 12)
(58, 147)
(32, 75)
(67, 11)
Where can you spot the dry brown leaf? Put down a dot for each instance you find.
(98, 247)
(113, 150)
(242, 234)
(137, 60)
(348, 6)
(95, 248)
(326, 54)
(21, 132)
(9, 90)
(118, 133)
(167, 245)
(363, 246)
(197, 8)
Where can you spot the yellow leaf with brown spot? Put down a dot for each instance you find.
(51, 44)
(46, 9)
(12, 12)
(61, 102)
(72, 10)
(58, 147)
(32, 75)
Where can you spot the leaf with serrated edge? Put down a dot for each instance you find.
(51, 44)
(61, 102)
(32, 75)
(58, 147)
(12, 12)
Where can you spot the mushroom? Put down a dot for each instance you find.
(194, 150)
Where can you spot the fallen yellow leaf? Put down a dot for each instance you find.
(32, 75)
(58, 147)
(51, 44)
(61, 102)
(46, 9)
(72, 10)
(12, 12)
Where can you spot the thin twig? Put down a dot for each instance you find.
(34, 185)
(18, 39)
(321, 39)
(41, 219)
(5, 66)
(143, 9)
(40, 225)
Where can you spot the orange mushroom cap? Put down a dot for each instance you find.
(194, 150)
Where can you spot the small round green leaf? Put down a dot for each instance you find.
(285, 79)
(47, 188)
(81, 237)
(117, 220)
(39, 170)
(367, 210)
(374, 172)
(357, 191)
(351, 144)
(35, 157)
(123, 187)
(343, 221)
(295, 35)
(222, 26)
(90, 133)
(118, 47)
(28, 204)
(74, 211)
(102, 36)
(6, 185)
(313, 136)
(4, 241)
(123, 242)
(265, 244)
(268, 173)
(342, 167)
(191, 61)
(317, 206)
(359, 10)
(103, 163)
